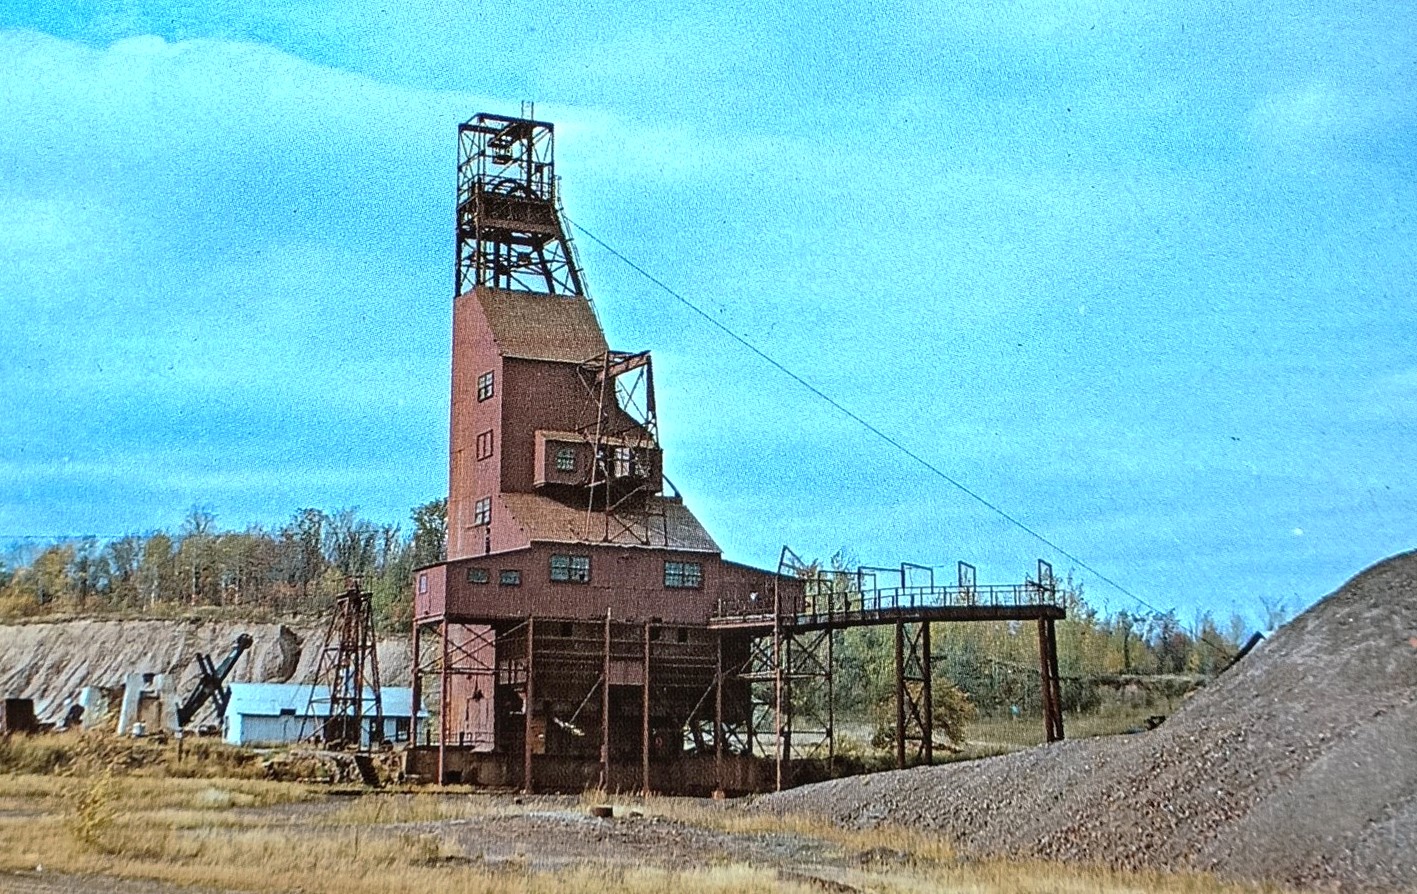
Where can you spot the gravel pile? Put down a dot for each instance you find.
(1298, 766)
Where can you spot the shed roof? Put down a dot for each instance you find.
(542, 327)
(666, 524)
(270, 699)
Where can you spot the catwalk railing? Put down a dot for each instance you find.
(827, 605)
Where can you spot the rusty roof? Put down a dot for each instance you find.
(542, 327)
(666, 524)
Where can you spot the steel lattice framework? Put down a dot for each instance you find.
(509, 229)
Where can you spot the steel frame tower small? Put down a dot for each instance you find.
(509, 231)
(349, 664)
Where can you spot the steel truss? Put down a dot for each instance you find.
(509, 229)
(349, 669)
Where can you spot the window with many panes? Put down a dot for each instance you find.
(484, 445)
(509, 578)
(570, 569)
(566, 459)
(482, 511)
(484, 386)
(684, 575)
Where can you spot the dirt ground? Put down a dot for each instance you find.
(520, 834)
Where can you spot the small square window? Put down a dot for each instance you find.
(509, 578)
(484, 445)
(482, 511)
(566, 459)
(570, 569)
(485, 386)
(684, 575)
(478, 576)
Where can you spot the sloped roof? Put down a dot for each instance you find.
(667, 524)
(542, 327)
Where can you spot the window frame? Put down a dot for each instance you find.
(485, 445)
(482, 511)
(573, 568)
(486, 385)
(683, 575)
(479, 576)
(565, 459)
(509, 577)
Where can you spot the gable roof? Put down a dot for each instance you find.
(532, 326)
(665, 524)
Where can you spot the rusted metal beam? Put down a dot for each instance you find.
(900, 695)
(927, 710)
(443, 704)
(645, 729)
(605, 712)
(529, 708)
(718, 721)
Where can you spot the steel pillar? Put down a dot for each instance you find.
(1050, 680)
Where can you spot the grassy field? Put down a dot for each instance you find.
(88, 823)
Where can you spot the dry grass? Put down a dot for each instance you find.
(227, 834)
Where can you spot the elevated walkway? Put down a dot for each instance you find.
(907, 605)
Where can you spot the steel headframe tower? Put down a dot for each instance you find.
(349, 667)
(509, 230)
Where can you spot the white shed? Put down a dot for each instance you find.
(279, 713)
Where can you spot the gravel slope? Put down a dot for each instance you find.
(1298, 766)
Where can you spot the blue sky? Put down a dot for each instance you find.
(1141, 276)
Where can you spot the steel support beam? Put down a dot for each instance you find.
(530, 707)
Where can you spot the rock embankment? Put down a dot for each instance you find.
(1297, 766)
(51, 661)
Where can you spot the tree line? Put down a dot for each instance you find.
(296, 568)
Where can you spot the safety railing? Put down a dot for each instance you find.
(820, 601)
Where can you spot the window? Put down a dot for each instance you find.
(478, 576)
(624, 462)
(484, 445)
(482, 511)
(423, 583)
(484, 386)
(509, 578)
(684, 575)
(566, 459)
(570, 569)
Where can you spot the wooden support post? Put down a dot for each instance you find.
(605, 711)
(778, 685)
(529, 736)
(1048, 676)
(444, 705)
(1057, 731)
(645, 730)
(718, 720)
(900, 695)
(417, 690)
(831, 702)
(927, 716)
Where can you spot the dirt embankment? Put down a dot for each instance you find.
(51, 662)
(1297, 766)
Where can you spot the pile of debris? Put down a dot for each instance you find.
(1297, 766)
